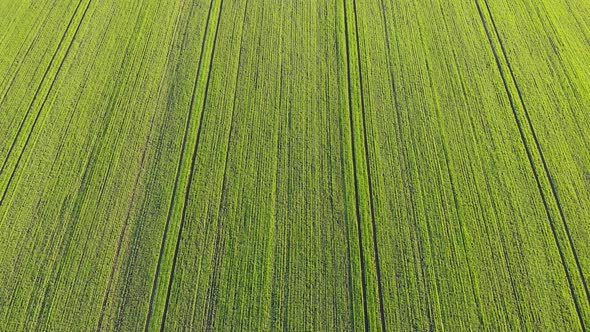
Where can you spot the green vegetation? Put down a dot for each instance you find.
(294, 165)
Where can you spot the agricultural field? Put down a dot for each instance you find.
(262, 165)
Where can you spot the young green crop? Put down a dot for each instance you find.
(294, 165)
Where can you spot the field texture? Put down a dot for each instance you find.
(327, 165)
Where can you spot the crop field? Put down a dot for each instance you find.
(264, 165)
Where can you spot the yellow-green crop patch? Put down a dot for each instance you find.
(379, 165)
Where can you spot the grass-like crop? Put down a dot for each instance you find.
(293, 165)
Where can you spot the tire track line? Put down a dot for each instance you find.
(368, 166)
(49, 66)
(531, 160)
(2, 169)
(354, 165)
(191, 170)
(538, 146)
(179, 168)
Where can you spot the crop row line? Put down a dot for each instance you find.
(218, 239)
(39, 88)
(122, 236)
(89, 169)
(529, 153)
(277, 190)
(139, 24)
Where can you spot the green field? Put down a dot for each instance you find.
(262, 165)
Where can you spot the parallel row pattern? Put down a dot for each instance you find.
(293, 165)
